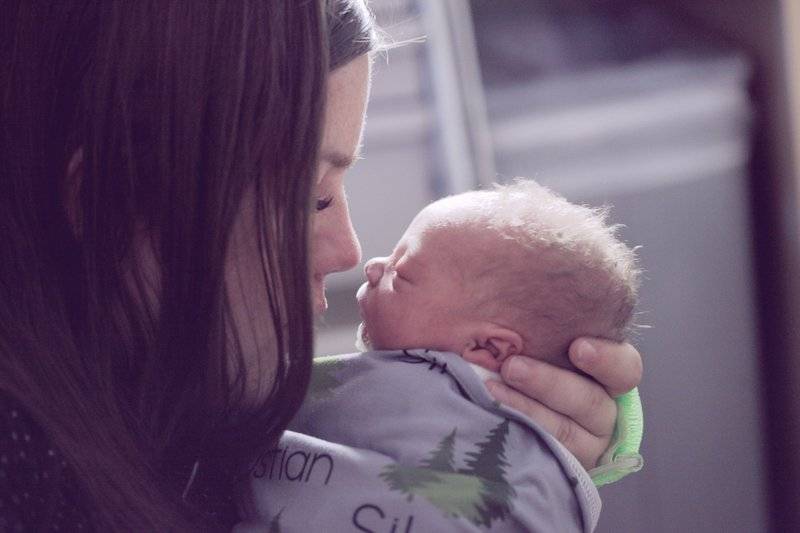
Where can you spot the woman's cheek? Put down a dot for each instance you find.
(320, 244)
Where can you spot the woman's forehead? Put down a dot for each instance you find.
(348, 90)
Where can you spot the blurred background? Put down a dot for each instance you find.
(683, 115)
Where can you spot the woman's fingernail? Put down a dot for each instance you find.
(586, 353)
(516, 369)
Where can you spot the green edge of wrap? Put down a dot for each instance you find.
(622, 456)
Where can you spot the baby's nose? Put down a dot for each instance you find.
(374, 270)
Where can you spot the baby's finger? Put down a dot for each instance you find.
(586, 447)
(564, 391)
(618, 367)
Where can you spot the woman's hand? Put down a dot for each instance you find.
(580, 412)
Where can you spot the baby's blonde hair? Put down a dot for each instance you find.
(557, 263)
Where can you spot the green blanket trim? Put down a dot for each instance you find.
(622, 456)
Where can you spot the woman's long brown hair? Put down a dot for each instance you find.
(178, 110)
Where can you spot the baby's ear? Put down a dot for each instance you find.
(491, 345)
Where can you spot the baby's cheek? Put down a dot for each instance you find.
(396, 325)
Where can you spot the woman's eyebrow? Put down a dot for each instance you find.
(341, 160)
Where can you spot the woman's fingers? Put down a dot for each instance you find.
(563, 391)
(579, 411)
(618, 367)
(585, 446)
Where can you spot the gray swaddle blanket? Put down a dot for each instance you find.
(411, 441)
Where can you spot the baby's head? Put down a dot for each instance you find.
(489, 274)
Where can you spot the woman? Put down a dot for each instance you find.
(158, 164)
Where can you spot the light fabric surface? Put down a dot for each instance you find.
(407, 441)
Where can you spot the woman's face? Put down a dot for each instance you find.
(334, 245)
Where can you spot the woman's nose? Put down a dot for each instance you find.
(341, 242)
(374, 270)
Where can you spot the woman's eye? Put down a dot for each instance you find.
(324, 203)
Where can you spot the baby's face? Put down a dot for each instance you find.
(415, 297)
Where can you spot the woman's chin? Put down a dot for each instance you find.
(318, 300)
(320, 305)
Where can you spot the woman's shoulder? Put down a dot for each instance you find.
(38, 490)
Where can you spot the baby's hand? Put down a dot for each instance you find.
(579, 411)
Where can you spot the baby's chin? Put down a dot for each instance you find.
(362, 339)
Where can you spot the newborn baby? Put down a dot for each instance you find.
(490, 274)
(407, 438)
